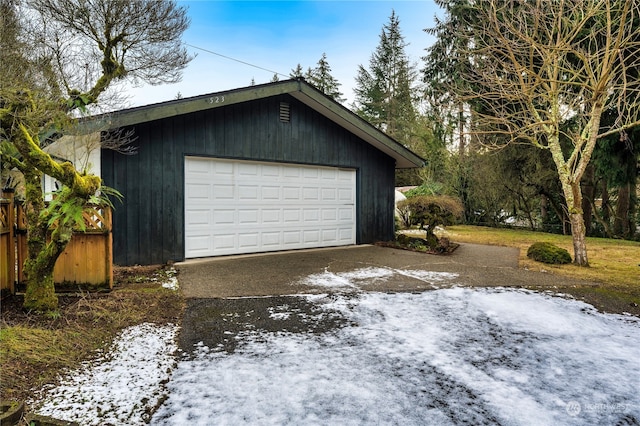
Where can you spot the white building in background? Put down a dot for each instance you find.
(83, 151)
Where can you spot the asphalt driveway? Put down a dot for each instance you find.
(297, 338)
(352, 336)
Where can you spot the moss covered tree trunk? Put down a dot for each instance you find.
(44, 247)
(40, 294)
(49, 230)
(570, 172)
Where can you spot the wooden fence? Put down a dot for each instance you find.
(86, 263)
(7, 245)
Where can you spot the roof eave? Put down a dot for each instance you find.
(297, 88)
(347, 119)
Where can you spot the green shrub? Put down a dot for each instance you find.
(428, 188)
(548, 253)
(430, 211)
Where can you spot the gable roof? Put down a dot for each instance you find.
(297, 88)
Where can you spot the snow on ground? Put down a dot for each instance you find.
(120, 387)
(168, 278)
(353, 279)
(452, 356)
(449, 356)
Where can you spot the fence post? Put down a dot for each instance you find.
(9, 194)
(109, 241)
(21, 239)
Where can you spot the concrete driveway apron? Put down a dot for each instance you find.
(282, 273)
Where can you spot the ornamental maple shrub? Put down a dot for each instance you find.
(429, 211)
(548, 253)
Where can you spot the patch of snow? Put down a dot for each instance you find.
(452, 356)
(353, 279)
(428, 276)
(120, 387)
(170, 281)
(279, 312)
(446, 357)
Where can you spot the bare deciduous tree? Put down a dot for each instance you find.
(544, 72)
(58, 57)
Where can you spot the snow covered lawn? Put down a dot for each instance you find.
(448, 356)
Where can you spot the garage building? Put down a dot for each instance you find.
(271, 167)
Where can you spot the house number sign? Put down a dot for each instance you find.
(215, 99)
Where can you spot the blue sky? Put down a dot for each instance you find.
(277, 35)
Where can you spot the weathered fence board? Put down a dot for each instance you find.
(87, 259)
(7, 245)
(86, 263)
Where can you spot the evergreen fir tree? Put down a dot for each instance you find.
(384, 91)
(320, 77)
(296, 72)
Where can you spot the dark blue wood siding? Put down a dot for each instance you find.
(149, 225)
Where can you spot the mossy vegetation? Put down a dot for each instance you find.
(441, 246)
(546, 252)
(35, 349)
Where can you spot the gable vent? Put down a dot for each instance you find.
(285, 112)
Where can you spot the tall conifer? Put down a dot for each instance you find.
(384, 90)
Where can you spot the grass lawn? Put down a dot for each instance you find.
(613, 263)
(35, 349)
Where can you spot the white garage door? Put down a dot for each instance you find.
(234, 207)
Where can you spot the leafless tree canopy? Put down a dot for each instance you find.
(112, 40)
(59, 57)
(545, 72)
(541, 63)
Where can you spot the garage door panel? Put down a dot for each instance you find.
(248, 192)
(346, 234)
(198, 217)
(222, 241)
(330, 235)
(291, 172)
(270, 170)
(311, 215)
(198, 166)
(198, 191)
(199, 244)
(329, 215)
(270, 217)
(291, 215)
(311, 237)
(248, 217)
(345, 195)
(329, 194)
(221, 169)
(310, 194)
(271, 239)
(310, 173)
(248, 240)
(291, 237)
(222, 192)
(248, 169)
(345, 214)
(224, 217)
(291, 193)
(236, 207)
(271, 193)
